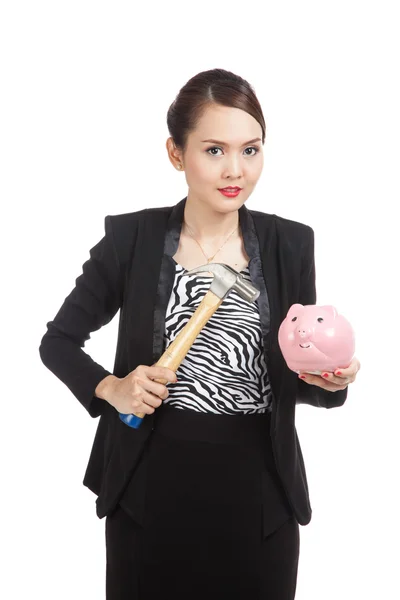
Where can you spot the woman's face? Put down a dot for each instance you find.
(236, 160)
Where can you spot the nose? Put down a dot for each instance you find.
(233, 168)
(304, 333)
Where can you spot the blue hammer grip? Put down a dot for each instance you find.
(131, 420)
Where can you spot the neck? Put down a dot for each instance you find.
(206, 224)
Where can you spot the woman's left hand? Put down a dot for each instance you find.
(333, 381)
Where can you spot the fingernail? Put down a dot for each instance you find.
(338, 373)
(325, 374)
(302, 376)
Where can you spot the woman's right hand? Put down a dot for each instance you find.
(137, 392)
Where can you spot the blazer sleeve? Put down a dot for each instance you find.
(307, 393)
(92, 303)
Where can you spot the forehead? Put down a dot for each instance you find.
(231, 125)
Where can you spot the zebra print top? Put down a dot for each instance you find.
(224, 371)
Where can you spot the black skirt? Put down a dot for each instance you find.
(204, 515)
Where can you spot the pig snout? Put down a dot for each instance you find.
(303, 333)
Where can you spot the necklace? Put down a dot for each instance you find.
(211, 257)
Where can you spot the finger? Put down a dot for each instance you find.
(163, 374)
(168, 374)
(323, 383)
(325, 375)
(152, 400)
(146, 406)
(349, 371)
(344, 372)
(328, 376)
(157, 389)
(146, 409)
(143, 407)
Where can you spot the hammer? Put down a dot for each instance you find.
(225, 281)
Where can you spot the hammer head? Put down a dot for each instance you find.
(226, 280)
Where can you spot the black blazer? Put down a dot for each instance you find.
(131, 269)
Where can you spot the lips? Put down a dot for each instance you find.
(230, 189)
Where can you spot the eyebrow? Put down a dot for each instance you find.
(225, 144)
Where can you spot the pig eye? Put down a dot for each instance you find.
(294, 319)
(320, 320)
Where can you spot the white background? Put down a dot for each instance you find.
(85, 91)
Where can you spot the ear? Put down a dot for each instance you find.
(331, 310)
(174, 155)
(294, 310)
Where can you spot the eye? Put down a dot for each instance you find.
(320, 320)
(255, 148)
(294, 319)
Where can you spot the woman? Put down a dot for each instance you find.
(205, 499)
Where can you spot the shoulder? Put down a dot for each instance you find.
(123, 228)
(297, 231)
(127, 220)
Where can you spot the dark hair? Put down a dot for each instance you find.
(216, 86)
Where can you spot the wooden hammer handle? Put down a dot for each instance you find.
(177, 350)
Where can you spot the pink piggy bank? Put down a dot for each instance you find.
(315, 339)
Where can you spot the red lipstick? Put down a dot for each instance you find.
(230, 192)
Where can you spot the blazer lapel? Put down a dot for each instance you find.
(145, 272)
(273, 275)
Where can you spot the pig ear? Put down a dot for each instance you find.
(331, 310)
(295, 309)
